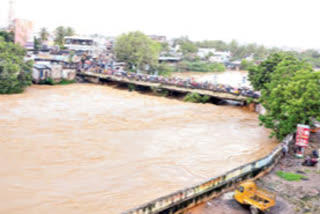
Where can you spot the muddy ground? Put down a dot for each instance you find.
(293, 197)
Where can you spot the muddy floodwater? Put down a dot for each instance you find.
(86, 148)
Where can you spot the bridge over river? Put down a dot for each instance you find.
(99, 77)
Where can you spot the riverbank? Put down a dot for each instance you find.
(293, 197)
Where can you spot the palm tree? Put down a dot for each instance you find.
(69, 31)
(59, 36)
(44, 35)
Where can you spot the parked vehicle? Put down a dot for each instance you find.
(258, 199)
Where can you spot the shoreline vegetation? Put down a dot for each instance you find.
(199, 66)
(290, 93)
(50, 81)
(15, 73)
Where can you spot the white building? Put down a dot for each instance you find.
(220, 56)
(204, 52)
(42, 72)
(92, 46)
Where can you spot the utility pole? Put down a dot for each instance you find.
(11, 15)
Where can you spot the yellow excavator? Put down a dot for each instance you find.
(258, 199)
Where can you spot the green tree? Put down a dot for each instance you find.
(246, 65)
(69, 31)
(219, 45)
(62, 32)
(199, 66)
(59, 34)
(261, 74)
(292, 97)
(188, 48)
(36, 43)
(165, 47)
(44, 35)
(15, 74)
(233, 46)
(137, 50)
(7, 36)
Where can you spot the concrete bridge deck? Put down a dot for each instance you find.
(96, 77)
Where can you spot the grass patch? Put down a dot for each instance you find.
(288, 176)
(307, 171)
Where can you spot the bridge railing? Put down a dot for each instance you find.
(189, 197)
(163, 83)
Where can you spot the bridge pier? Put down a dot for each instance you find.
(252, 107)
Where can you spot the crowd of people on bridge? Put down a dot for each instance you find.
(171, 81)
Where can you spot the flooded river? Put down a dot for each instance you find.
(86, 148)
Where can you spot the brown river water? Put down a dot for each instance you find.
(87, 148)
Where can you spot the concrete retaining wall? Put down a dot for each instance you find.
(190, 197)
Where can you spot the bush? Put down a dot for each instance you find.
(15, 73)
(246, 65)
(199, 66)
(131, 87)
(165, 70)
(66, 82)
(250, 100)
(160, 92)
(196, 98)
(50, 81)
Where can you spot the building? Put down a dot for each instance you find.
(109, 48)
(157, 38)
(22, 31)
(234, 65)
(220, 57)
(204, 52)
(92, 46)
(42, 72)
(169, 60)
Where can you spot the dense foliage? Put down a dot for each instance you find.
(137, 50)
(50, 81)
(237, 51)
(246, 65)
(199, 66)
(258, 52)
(15, 74)
(44, 35)
(7, 36)
(60, 33)
(164, 69)
(196, 98)
(260, 75)
(290, 93)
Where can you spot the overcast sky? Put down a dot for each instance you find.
(293, 23)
